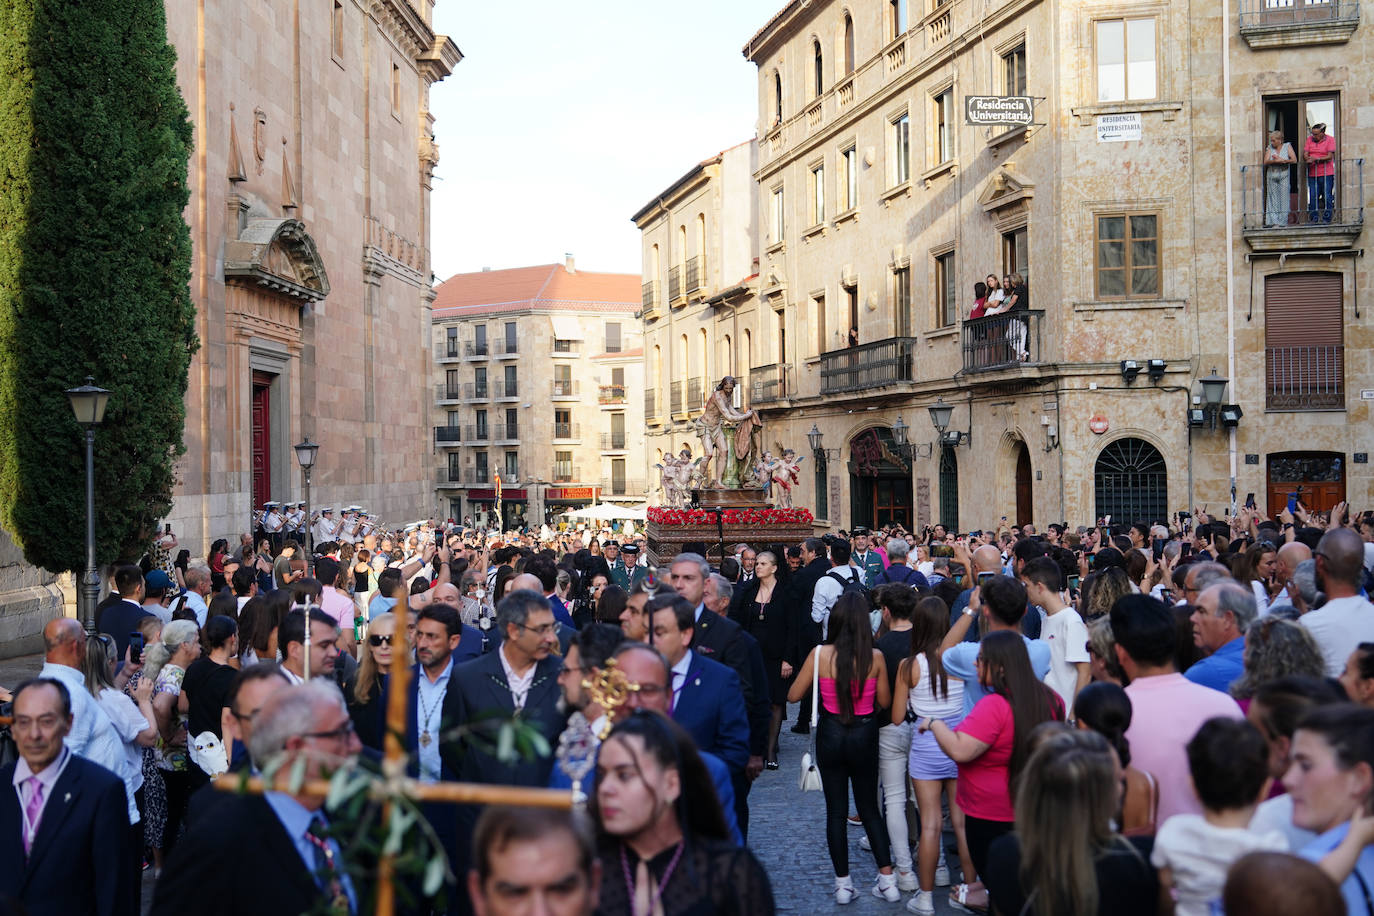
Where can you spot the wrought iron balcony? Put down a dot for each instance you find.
(1294, 23)
(505, 432)
(650, 404)
(507, 347)
(1304, 378)
(1002, 341)
(612, 442)
(867, 366)
(695, 397)
(1299, 218)
(477, 391)
(565, 389)
(650, 295)
(567, 430)
(674, 283)
(448, 434)
(767, 384)
(627, 486)
(477, 348)
(476, 433)
(565, 473)
(696, 274)
(675, 395)
(611, 394)
(446, 392)
(447, 350)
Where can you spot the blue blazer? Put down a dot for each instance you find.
(710, 707)
(79, 863)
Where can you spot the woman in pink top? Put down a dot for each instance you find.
(853, 686)
(991, 746)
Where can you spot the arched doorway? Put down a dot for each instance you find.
(879, 481)
(1131, 483)
(1316, 478)
(1025, 513)
(949, 488)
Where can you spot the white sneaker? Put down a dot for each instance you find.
(942, 876)
(864, 844)
(921, 903)
(844, 890)
(886, 888)
(906, 880)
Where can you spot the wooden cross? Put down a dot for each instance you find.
(394, 766)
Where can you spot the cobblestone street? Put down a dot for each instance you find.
(787, 833)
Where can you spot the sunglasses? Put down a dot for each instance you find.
(375, 640)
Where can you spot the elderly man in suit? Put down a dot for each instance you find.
(279, 839)
(707, 699)
(63, 820)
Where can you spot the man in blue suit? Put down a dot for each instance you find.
(64, 820)
(707, 699)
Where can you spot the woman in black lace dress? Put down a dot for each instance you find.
(660, 855)
(764, 608)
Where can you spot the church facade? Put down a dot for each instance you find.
(309, 213)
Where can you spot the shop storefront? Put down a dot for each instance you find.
(481, 505)
(558, 500)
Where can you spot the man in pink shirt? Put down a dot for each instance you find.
(1167, 709)
(335, 603)
(1319, 153)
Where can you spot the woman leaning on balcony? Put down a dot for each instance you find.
(1278, 156)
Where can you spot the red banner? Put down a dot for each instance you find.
(491, 494)
(571, 492)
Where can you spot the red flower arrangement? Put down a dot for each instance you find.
(749, 517)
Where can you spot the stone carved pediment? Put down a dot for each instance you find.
(1004, 189)
(280, 255)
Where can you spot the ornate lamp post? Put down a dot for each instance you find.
(305, 456)
(88, 403)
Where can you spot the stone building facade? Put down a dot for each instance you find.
(538, 374)
(309, 212)
(1133, 205)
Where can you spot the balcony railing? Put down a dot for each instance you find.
(446, 350)
(567, 430)
(509, 474)
(1304, 378)
(871, 365)
(675, 395)
(674, 283)
(565, 473)
(650, 293)
(481, 475)
(611, 394)
(1000, 341)
(650, 404)
(505, 431)
(477, 391)
(506, 389)
(507, 347)
(477, 348)
(448, 434)
(612, 442)
(696, 268)
(626, 486)
(447, 392)
(767, 384)
(447, 477)
(1275, 23)
(476, 433)
(564, 389)
(1298, 207)
(695, 398)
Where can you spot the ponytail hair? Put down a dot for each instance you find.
(1106, 709)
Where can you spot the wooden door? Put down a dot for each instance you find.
(262, 439)
(1023, 486)
(1318, 479)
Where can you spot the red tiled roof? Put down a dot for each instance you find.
(545, 287)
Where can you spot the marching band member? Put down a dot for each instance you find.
(272, 524)
(326, 529)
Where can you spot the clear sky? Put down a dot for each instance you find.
(565, 118)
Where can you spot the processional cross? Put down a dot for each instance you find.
(394, 781)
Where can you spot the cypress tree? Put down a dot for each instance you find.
(95, 259)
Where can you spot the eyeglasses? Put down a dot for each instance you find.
(339, 734)
(651, 690)
(376, 640)
(545, 629)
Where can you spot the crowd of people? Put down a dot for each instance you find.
(1170, 716)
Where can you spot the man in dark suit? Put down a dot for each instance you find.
(543, 568)
(815, 564)
(278, 839)
(119, 620)
(64, 821)
(707, 698)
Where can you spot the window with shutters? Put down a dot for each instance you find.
(1127, 260)
(1304, 341)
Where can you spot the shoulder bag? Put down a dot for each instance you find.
(810, 779)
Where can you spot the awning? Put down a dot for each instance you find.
(566, 327)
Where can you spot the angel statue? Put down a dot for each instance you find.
(739, 448)
(786, 473)
(677, 477)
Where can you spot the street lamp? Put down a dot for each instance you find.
(1213, 388)
(88, 403)
(305, 456)
(940, 412)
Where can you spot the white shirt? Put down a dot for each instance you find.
(291, 676)
(198, 607)
(1068, 639)
(430, 699)
(519, 683)
(1338, 627)
(1199, 855)
(827, 593)
(93, 735)
(128, 721)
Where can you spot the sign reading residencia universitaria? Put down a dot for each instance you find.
(999, 109)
